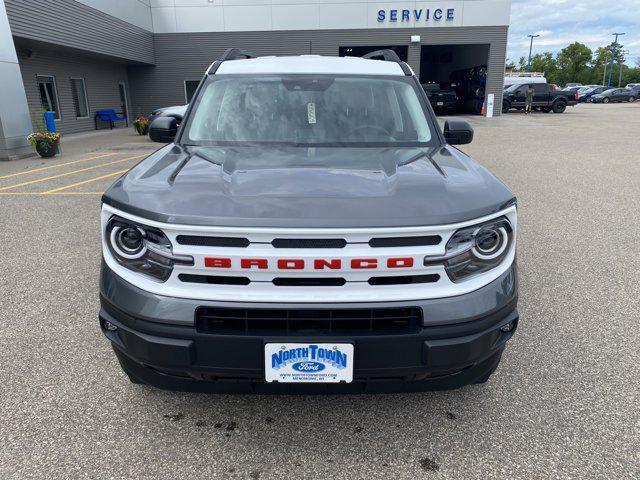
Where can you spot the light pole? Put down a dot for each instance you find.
(621, 65)
(530, 50)
(613, 54)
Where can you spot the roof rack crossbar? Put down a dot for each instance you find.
(387, 55)
(235, 53)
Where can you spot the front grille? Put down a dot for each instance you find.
(384, 242)
(306, 321)
(309, 243)
(201, 241)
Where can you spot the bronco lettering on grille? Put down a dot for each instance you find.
(316, 264)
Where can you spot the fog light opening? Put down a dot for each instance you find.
(508, 327)
(109, 327)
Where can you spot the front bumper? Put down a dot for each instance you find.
(157, 343)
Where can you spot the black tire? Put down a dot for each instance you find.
(632, 99)
(605, 100)
(505, 106)
(559, 106)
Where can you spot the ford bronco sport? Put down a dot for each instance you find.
(308, 228)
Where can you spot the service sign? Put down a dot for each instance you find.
(308, 362)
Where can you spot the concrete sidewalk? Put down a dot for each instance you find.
(77, 145)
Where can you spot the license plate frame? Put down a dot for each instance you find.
(308, 362)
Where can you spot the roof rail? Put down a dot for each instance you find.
(389, 55)
(235, 53)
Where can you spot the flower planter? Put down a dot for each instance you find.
(46, 149)
(142, 129)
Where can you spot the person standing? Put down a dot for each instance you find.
(528, 97)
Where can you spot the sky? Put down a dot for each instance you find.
(561, 22)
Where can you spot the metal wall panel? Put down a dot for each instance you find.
(72, 24)
(186, 56)
(101, 78)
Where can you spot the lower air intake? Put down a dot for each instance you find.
(304, 321)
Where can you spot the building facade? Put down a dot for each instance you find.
(78, 56)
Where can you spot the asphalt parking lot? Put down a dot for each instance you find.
(563, 403)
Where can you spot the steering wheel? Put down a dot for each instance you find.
(369, 127)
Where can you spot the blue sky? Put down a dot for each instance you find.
(561, 22)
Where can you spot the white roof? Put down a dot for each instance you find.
(312, 64)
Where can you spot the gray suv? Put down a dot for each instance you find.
(309, 228)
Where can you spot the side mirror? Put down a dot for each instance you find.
(457, 132)
(163, 129)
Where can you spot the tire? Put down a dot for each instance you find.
(559, 106)
(605, 100)
(505, 106)
(632, 99)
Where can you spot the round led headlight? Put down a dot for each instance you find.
(128, 241)
(490, 242)
(143, 249)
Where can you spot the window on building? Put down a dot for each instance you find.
(79, 93)
(190, 87)
(49, 94)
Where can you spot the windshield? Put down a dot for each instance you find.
(513, 88)
(309, 110)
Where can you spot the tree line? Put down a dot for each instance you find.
(578, 63)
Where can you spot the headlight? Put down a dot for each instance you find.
(477, 249)
(142, 249)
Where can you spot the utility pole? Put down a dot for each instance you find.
(614, 49)
(530, 50)
(621, 65)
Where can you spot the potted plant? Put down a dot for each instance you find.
(45, 143)
(141, 124)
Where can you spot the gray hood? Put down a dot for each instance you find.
(308, 187)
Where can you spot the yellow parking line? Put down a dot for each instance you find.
(59, 189)
(57, 165)
(31, 182)
(17, 194)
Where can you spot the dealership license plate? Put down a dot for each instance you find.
(308, 362)
(440, 104)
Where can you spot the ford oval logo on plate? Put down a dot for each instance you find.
(308, 366)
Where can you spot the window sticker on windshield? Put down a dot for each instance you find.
(311, 113)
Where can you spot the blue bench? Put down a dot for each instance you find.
(108, 116)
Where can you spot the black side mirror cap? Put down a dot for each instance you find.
(163, 129)
(457, 132)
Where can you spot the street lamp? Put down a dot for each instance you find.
(530, 49)
(613, 54)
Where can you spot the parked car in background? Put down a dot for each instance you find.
(440, 99)
(634, 86)
(585, 96)
(570, 89)
(615, 95)
(544, 98)
(572, 85)
(177, 112)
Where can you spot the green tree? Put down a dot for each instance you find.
(545, 63)
(574, 62)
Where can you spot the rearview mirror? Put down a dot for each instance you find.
(163, 129)
(457, 132)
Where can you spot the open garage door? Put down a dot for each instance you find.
(458, 68)
(401, 50)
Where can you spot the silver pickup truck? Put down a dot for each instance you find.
(309, 228)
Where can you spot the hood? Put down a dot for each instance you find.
(308, 187)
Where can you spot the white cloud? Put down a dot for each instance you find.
(561, 22)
